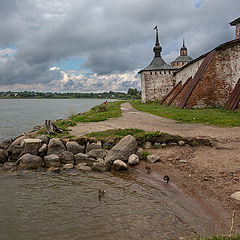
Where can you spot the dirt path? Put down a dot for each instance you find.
(132, 118)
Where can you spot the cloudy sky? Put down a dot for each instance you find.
(100, 45)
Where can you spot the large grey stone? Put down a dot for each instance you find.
(55, 146)
(6, 143)
(74, 147)
(133, 159)
(16, 152)
(153, 158)
(3, 155)
(119, 165)
(84, 158)
(52, 161)
(101, 165)
(91, 146)
(44, 138)
(123, 149)
(31, 145)
(29, 161)
(66, 157)
(98, 153)
(236, 195)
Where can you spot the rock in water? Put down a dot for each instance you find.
(55, 146)
(123, 149)
(66, 157)
(101, 165)
(119, 165)
(52, 160)
(29, 161)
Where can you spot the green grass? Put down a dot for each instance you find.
(114, 135)
(210, 116)
(96, 114)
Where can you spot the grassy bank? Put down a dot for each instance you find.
(96, 114)
(210, 116)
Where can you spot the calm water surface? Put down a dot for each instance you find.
(39, 205)
(20, 115)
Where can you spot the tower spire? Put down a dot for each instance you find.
(183, 42)
(157, 49)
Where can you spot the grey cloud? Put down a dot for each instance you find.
(112, 36)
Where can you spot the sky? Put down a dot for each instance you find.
(100, 45)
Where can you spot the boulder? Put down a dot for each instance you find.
(75, 148)
(53, 169)
(55, 146)
(17, 141)
(52, 161)
(66, 157)
(16, 152)
(91, 146)
(98, 153)
(6, 143)
(133, 159)
(31, 145)
(3, 155)
(9, 166)
(119, 165)
(236, 195)
(84, 158)
(83, 166)
(43, 149)
(153, 158)
(123, 149)
(67, 166)
(101, 165)
(44, 138)
(29, 161)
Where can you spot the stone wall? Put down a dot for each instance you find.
(188, 71)
(155, 85)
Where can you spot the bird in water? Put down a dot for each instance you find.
(100, 194)
(166, 178)
(148, 168)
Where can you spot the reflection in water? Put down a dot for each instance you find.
(65, 206)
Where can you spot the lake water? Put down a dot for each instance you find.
(49, 206)
(20, 115)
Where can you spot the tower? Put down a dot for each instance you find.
(183, 59)
(156, 78)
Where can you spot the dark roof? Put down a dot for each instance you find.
(219, 47)
(234, 22)
(157, 64)
(184, 58)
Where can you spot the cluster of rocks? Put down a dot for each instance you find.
(55, 154)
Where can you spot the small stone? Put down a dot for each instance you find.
(74, 147)
(43, 148)
(8, 165)
(164, 145)
(236, 195)
(3, 155)
(173, 144)
(148, 145)
(91, 146)
(83, 166)
(29, 161)
(67, 166)
(84, 158)
(181, 143)
(101, 165)
(153, 158)
(133, 159)
(44, 138)
(98, 153)
(139, 153)
(53, 169)
(66, 157)
(119, 165)
(157, 145)
(183, 161)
